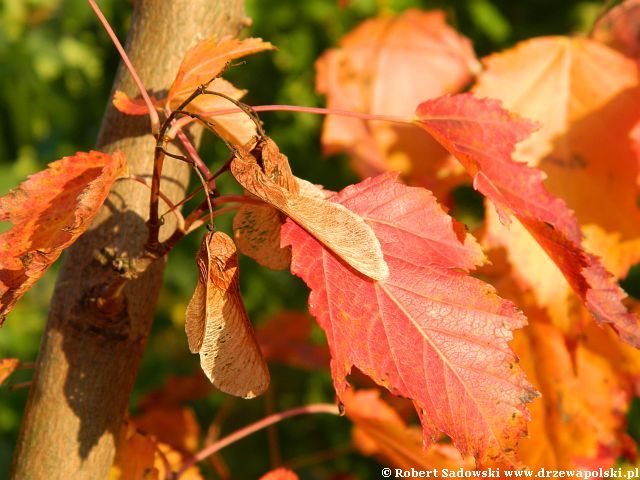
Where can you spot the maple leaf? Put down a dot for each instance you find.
(482, 135)
(429, 332)
(208, 59)
(586, 383)
(49, 211)
(236, 128)
(139, 456)
(170, 424)
(596, 177)
(217, 324)
(379, 431)
(387, 65)
(130, 106)
(339, 229)
(200, 65)
(280, 474)
(620, 28)
(7, 367)
(581, 412)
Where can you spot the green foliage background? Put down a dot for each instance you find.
(56, 69)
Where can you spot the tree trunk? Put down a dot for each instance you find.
(87, 363)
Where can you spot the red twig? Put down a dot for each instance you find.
(153, 114)
(254, 427)
(207, 218)
(295, 108)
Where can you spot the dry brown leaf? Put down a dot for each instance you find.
(340, 230)
(217, 324)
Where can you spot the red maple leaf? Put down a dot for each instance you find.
(429, 332)
(482, 136)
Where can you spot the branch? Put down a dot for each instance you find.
(254, 427)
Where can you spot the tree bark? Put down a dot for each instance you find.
(87, 363)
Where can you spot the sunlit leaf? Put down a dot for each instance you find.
(429, 332)
(49, 211)
(482, 135)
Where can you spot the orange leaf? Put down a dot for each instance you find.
(284, 338)
(208, 59)
(134, 457)
(174, 425)
(482, 135)
(257, 227)
(339, 229)
(217, 324)
(388, 65)
(49, 211)
(379, 431)
(280, 474)
(586, 100)
(7, 367)
(140, 457)
(237, 128)
(582, 409)
(127, 105)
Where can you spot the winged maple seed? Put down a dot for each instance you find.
(429, 332)
(217, 324)
(257, 227)
(49, 211)
(340, 230)
(482, 136)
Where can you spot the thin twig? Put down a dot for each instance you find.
(21, 385)
(198, 162)
(254, 427)
(153, 114)
(202, 220)
(244, 107)
(312, 110)
(207, 197)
